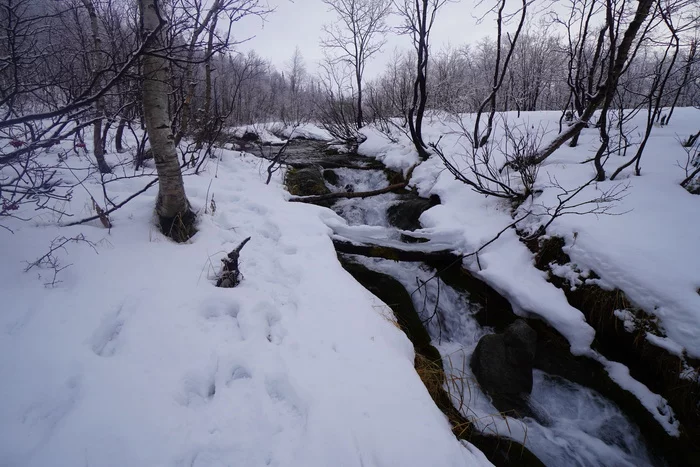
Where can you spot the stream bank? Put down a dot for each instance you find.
(452, 309)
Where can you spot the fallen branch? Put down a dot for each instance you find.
(117, 206)
(357, 194)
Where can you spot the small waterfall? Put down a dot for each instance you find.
(368, 211)
(572, 426)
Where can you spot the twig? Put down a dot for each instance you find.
(111, 210)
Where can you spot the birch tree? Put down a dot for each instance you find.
(172, 207)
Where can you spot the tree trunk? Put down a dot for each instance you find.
(205, 133)
(172, 207)
(118, 138)
(420, 94)
(97, 143)
(360, 117)
(686, 73)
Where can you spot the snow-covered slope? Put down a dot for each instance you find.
(136, 359)
(649, 250)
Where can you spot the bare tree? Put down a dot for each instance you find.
(359, 34)
(336, 110)
(296, 110)
(620, 52)
(418, 18)
(500, 70)
(50, 80)
(687, 68)
(205, 40)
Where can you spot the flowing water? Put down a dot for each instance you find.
(367, 211)
(571, 425)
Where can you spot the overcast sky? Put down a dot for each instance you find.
(299, 23)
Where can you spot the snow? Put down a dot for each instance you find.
(307, 131)
(648, 247)
(655, 404)
(271, 133)
(380, 147)
(135, 358)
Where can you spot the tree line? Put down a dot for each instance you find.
(171, 68)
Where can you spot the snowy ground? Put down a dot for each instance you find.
(649, 250)
(135, 358)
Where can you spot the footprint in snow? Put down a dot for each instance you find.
(280, 390)
(198, 388)
(49, 411)
(262, 320)
(217, 310)
(270, 231)
(104, 339)
(256, 208)
(289, 250)
(239, 373)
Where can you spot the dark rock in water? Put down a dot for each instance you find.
(331, 177)
(502, 364)
(250, 137)
(405, 214)
(350, 188)
(306, 182)
(521, 344)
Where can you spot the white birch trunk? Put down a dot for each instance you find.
(172, 207)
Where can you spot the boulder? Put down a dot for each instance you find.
(331, 177)
(306, 182)
(250, 137)
(502, 363)
(405, 214)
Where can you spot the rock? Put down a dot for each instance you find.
(521, 343)
(502, 363)
(250, 137)
(405, 215)
(306, 182)
(331, 177)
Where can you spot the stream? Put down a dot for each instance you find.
(564, 423)
(569, 424)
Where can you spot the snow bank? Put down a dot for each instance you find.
(269, 133)
(136, 359)
(379, 146)
(649, 250)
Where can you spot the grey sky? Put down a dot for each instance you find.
(299, 23)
